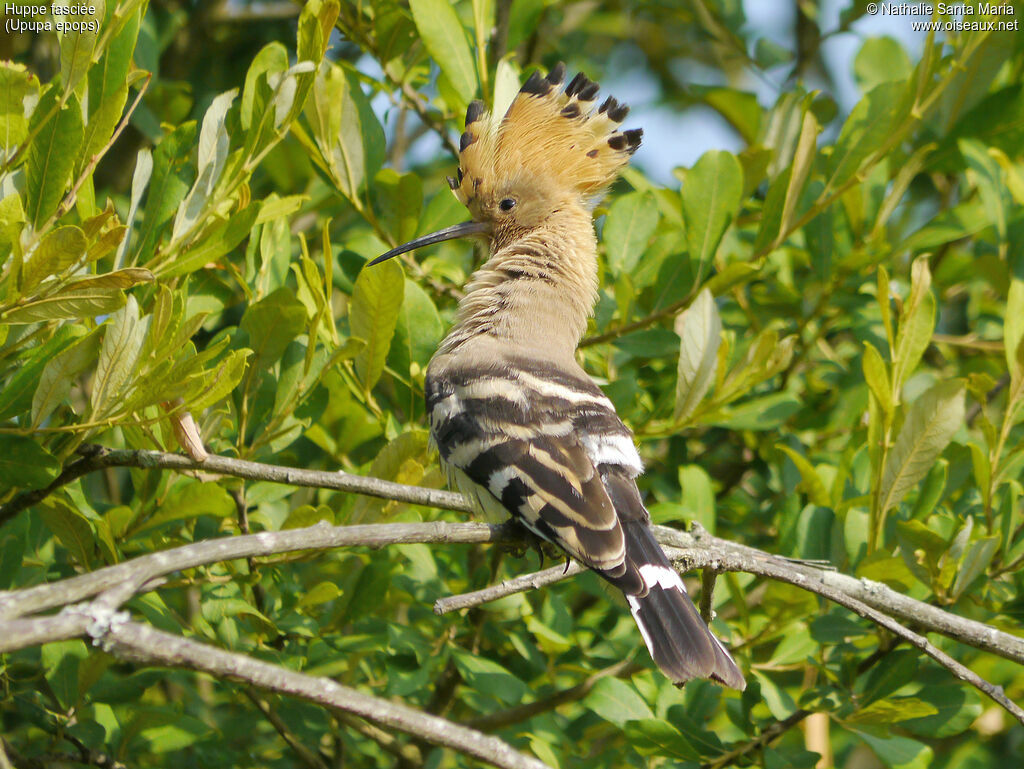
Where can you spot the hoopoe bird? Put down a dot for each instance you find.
(521, 429)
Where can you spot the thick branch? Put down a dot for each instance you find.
(140, 643)
(132, 576)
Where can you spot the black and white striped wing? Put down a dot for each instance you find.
(528, 439)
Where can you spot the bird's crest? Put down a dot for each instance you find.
(547, 133)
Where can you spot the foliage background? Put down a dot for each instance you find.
(845, 383)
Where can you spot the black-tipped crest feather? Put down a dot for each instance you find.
(549, 135)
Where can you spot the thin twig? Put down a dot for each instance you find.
(306, 756)
(769, 734)
(521, 584)
(99, 457)
(413, 99)
(407, 753)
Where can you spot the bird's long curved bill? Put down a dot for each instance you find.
(448, 233)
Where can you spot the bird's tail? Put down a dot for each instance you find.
(676, 636)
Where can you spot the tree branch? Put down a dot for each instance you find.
(99, 457)
(306, 756)
(139, 643)
(134, 575)
(521, 584)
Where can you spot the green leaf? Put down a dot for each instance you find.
(399, 199)
(901, 668)
(119, 355)
(272, 59)
(213, 242)
(51, 156)
(931, 490)
(123, 278)
(76, 50)
(795, 646)
(218, 383)
(885, 712)
(957, 707)
(775, 698)
(72, 529)
(700, 331)
(917, 321)
(877, 376)
(271, 324)
(25, 464)
(880, 60)
(445, 39)
(764, 413)
(698, 497)
(617, 702)
(373, 315)
(485, 675)
(739, 108)
(810, 480)
(13, 541)
(167, 187)
(711, 199)
(803, 160)
(58, 250)
(348, 135)
(61, 663)
(214, 144)
(507, 81)
(18, 89)
(897, 752)
(657, 737)
(419, 329)
(408, 448)
(140, 181)
(631, 222)
(887, 569)
(191, 499)
(929, 426)
(975, 561)
(16, 393)
(988, 177)
(184, 732)
(835, 628)
(108, 87)
(872, 123)
(68, 304)
(315, 25)
(319, 594)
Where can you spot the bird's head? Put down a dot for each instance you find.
(554, 149)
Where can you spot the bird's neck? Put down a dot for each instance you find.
(535, 292)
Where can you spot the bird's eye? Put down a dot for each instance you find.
(507, 204)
